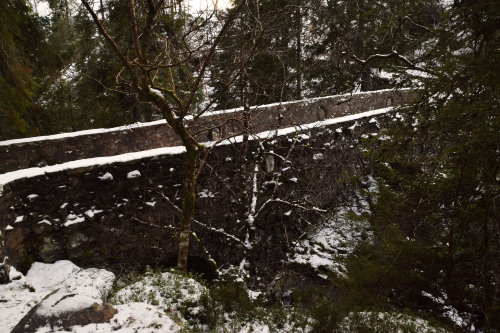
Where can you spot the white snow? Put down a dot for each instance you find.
(19, 219)
(330, 243)
(80, 288)
(44, 221)
(81, 133)
(451, 313)
(133, 174)
(106, 176)
(92, 212)
(33, 172)
(43, 279)
(59, 303)
(156, 92)
(32, 196)
(73, 219)
(206, 193)
(386, 322)
(163, 121)
(318, 156)
(157, 302)
(8, 227)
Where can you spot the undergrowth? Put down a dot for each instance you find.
(226, 305)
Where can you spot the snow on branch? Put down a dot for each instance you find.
(393, 54)
(219, 231)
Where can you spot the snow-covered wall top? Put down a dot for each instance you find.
(55, 149)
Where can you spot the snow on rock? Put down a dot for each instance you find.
(318, 156)
(45, 221)
(32, 197)
(60, 302)
(205, 193)
(9, 227)
(73, 219)
(330, 243)
(133, 317)
(106, 176)
(303, 137)
(19, 219)
(133, 174)
(34, 172)
(92, 212)
(24, 292)
(47, 276)
(356, 124)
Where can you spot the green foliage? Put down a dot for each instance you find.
(16, 83)
(227, 294)
(436, 213)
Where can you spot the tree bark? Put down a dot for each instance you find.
(188, 206)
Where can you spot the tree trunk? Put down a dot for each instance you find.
(299, 53)
(188, 205)
(493, 312)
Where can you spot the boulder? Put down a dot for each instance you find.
(64, 310)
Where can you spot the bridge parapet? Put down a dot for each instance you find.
(60, 148)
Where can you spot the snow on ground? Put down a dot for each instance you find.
(155, 302)
(88, 286)
(24, 292)
(326, 247)
(168, 291)
(386, 322)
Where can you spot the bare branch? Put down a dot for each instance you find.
(110, 40)
(210, 54)
(394, 54)
(219, 231)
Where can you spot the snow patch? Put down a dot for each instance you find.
(92, 212)
(133, 174)
(73, 219)
(106, 176)
(24, 292)
(318, 156)
(205, 193)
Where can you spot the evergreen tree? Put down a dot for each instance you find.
(436, 217)
(18, 29)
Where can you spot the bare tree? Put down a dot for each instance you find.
(166, 68)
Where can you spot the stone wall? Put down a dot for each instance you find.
(123, 216)
(33, 152)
